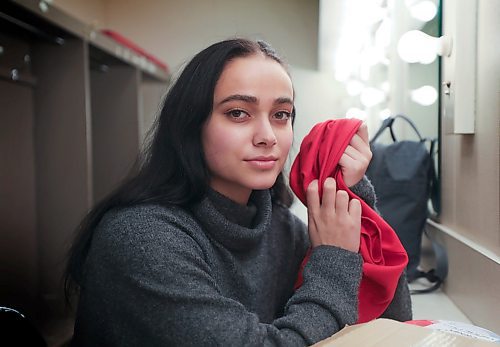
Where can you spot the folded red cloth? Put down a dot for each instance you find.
(384, 258)
(136, 48)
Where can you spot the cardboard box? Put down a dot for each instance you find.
(390, 333)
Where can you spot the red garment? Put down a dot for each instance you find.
(384, 258)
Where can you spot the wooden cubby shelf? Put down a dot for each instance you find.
(74, 107)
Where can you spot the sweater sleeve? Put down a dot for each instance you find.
(147, 284)
(365, 190)
(327, 299)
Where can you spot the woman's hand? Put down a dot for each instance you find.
(356, 157)
(334, 221)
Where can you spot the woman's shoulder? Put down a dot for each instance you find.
(149, 215)
(146, 223)
(142, 238)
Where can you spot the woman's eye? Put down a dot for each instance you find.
(237, 114)
(282, 115)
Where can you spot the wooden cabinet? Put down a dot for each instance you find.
(74, 110)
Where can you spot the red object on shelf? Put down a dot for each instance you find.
(134, 47)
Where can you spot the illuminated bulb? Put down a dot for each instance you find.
(423, 11)
(425, 96)
(371, 96)
(364, 72)
(383, 34)
(354, 87)
(415, 46)
(355, 112)
(385, 86)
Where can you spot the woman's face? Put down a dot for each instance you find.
(247, 136)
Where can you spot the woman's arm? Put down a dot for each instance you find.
(365, 190)
(148, 283)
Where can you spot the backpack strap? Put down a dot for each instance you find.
(410, 122)
(388, 122)
(434, 181)
(438, 274)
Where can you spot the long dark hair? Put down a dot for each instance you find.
(172, 169)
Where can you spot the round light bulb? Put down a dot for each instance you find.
(371, 96)
(354, 87)
(415, 46)
(425, 96)
(424, 10)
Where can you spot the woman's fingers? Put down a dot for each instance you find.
(355, 208)
(342, 202)
(358, 148)
(329, 193)
(363, 133)
(313, 229)
(356, 157)
(333, 219)
(312, 195)
(313, 205)
(351, 156)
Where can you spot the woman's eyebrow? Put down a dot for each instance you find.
(283, 100)
(254, 100)
(239, 97)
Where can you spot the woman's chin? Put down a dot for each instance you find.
(263, 185)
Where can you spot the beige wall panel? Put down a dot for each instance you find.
(175, 30)
(470, 163)
(470, 188)
(473, 282)
(88, 11)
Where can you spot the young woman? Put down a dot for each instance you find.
(199, 247)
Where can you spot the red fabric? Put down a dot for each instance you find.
(421, 322)
(384, 258)
(133, 46)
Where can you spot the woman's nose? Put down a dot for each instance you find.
(264, 134)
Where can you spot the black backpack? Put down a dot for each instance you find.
(405, 181)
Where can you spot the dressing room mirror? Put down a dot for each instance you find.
(386, 54)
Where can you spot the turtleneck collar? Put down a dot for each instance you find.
(235, 226)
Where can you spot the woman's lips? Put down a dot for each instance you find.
(263, 163)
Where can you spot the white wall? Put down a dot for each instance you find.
(318, 98)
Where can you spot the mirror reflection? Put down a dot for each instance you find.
(386, 55)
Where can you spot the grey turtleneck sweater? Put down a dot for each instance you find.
(220, 274)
